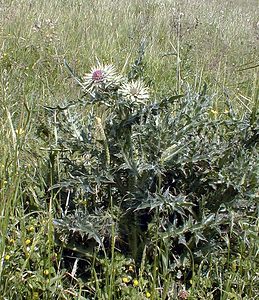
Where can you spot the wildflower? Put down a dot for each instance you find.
(7, 257)
(135, 282)
(101, 77)
(215, 112)
(131, 269)
(125, 279)
(134, 91)
(11, 241)
(35, 295)
(183, 294)
(31, 228)
(27, 242)
(46, 272)
(20, 131)
(148, 295)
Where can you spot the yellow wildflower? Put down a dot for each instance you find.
(215, 112)
(20, 131)
(135, 282)
(31, 228)
(35, 296)
(46, 272)
(125, 280)
(7, 257)
(27, 242)
(148, 295)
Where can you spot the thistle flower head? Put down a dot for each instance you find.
(134, 91)
(101, 77)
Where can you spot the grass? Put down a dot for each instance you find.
(187, 44)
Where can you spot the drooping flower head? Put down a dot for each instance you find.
(101, 77)
(134, 91)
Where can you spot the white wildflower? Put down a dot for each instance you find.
(134, 91)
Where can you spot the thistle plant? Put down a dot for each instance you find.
(137, 174)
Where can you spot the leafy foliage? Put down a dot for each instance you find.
(165, 176)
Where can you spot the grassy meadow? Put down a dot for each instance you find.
(109, 191)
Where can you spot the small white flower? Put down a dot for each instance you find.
(134, 91)
(101, 77)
